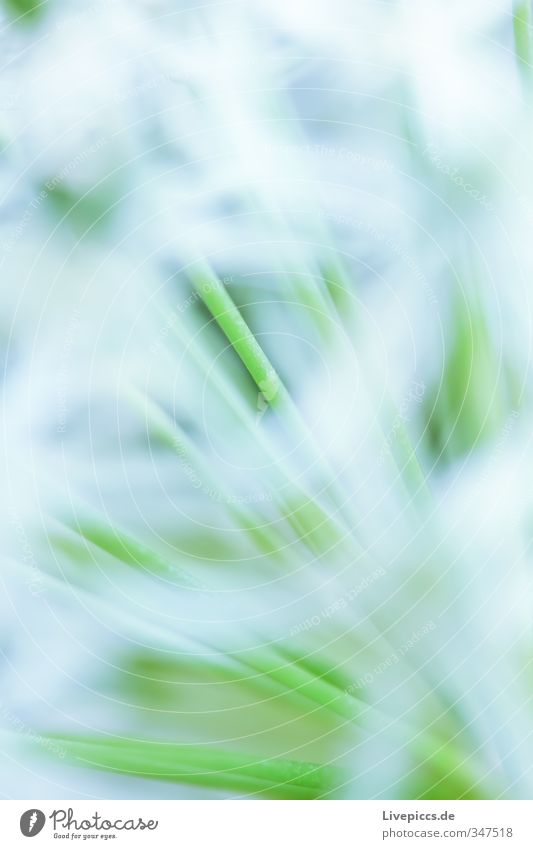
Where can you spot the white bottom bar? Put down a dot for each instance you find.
(268, 825)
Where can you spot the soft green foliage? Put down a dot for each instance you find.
(474, 394)
(204, 766)
(266, 340)
(523, 35)
(26, 10)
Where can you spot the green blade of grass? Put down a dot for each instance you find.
(201, 765)
(522, 37)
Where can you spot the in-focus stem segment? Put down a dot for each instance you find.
(228, 317)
